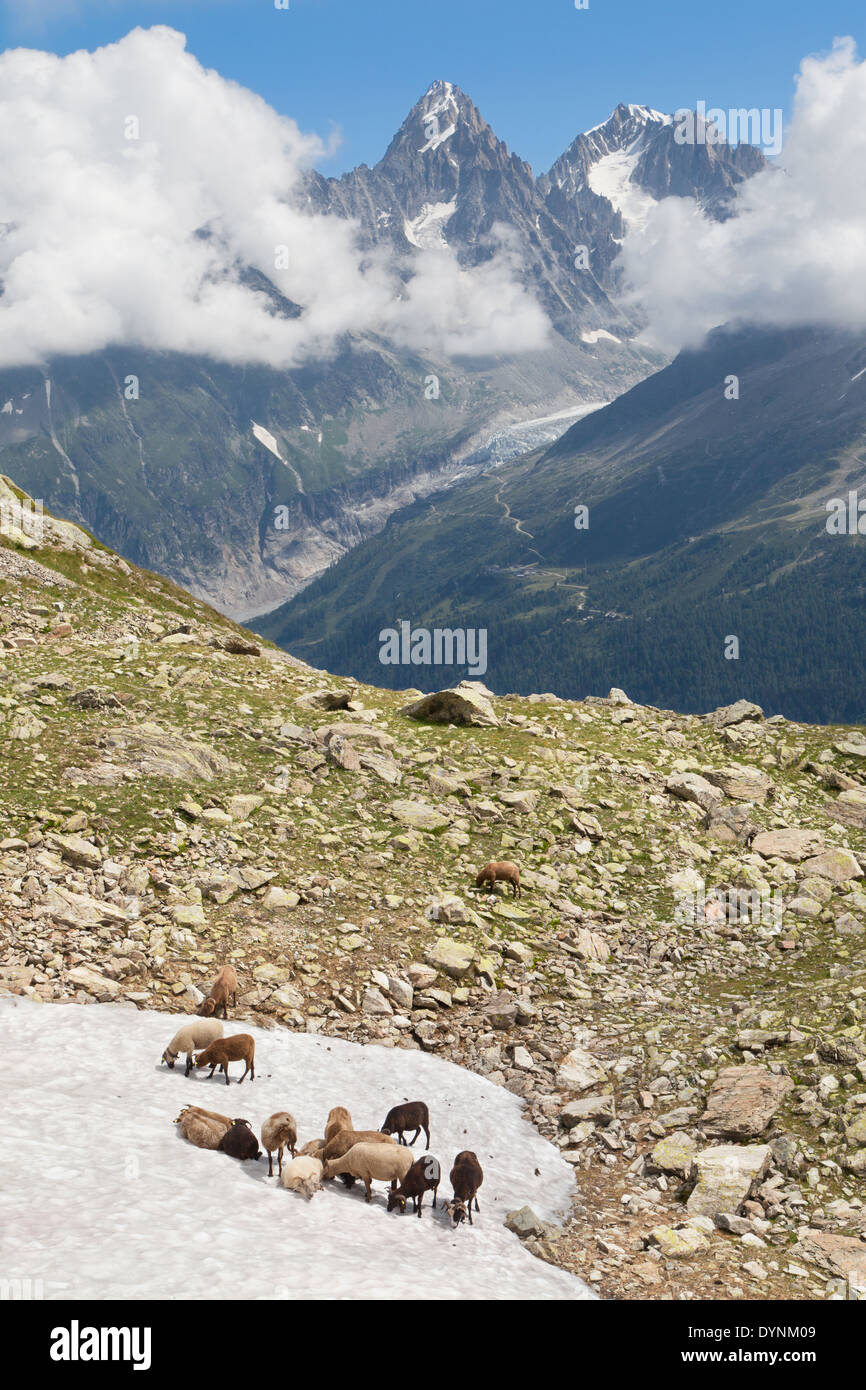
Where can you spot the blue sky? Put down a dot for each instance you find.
(539, 70)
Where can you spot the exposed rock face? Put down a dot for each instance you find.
(462, 705)
(743, 1101)
(151, 751)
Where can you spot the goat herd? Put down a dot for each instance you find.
(370, 1155)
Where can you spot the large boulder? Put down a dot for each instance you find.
(743, 1101)
(727, 1174)
(741, 782)
(675, 1154)
(453, 958)
(578, 1071)
(688, 786)
(418, 815)
(464, 704)
(736, 713)
(731, 825)
(522, 801)
(792, 845)
(837, 865)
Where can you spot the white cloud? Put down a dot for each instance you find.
(795, 252)
(101, 241)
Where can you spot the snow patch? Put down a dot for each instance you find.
(126, 1209)
(594, 334)
(265, 437)
(427, 230)
(611, 178)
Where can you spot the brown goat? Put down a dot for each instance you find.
(338, 1119)
(345, 1139)
(424, 1176)
(465, 1177)
(279, 1132)
(412, 1115)
(224, 990)
(204, 1128)
(209, 1114)
(240, 1047)
(499, 869)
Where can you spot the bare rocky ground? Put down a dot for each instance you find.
(175, 794)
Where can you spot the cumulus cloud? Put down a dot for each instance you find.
(795, 252)
(107, 239)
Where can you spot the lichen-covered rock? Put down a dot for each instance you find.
(675, 1154)
(454, 958)
(838, 865)
(727, 1174)
(418, 815)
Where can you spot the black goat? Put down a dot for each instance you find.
(413, 1115)
(465, 1177)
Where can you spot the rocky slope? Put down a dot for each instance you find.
(175, 794)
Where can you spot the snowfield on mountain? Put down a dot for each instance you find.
(103, 1199)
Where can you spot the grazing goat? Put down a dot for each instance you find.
(197, 1033)
(303, 1174)
(424, 1176)
(465, 1177)
(384, 1162)
(341, 1142)
(338, 1119)
(239, 1141)
(499, 869)
(224, 990)
(240, 1047)
(204, 1128)
(312, 1149)
(413, 1115)
(278, 1133)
